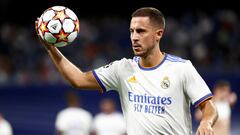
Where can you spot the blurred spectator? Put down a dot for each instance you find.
(73, 120)
(109, 121)
(224, 99)
(5, 127)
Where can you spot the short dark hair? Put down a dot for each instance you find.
(222, 83)
(155, 16)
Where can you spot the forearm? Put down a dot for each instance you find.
(209, 113)
(77, 78)
(70, 72)
(209, 117)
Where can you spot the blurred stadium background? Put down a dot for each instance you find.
(32, 91)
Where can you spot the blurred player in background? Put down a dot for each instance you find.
(109, 121)
(73, 120)
(155, 88)
(224, 100)
(5, 127)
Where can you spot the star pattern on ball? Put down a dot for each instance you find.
(62, 36)
(60, 15)
(58, 27)
(76, 25)
(43, 27)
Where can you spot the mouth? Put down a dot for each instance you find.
(136, 46)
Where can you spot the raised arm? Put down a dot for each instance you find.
(77, 78)
(209, 117)
(232, 99)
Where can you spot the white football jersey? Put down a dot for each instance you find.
(5, 128)
(155, 101)
(109, 124)
(74, 121)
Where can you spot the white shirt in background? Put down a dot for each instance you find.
(5, 128)
(74, 121)
(109, 124)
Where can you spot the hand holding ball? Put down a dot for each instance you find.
(58, 26)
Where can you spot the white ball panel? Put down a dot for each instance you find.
(61, 44)
(58, 8)
(72, 36)
(54, 26)
(49, 38)
(68, 25)
(71, 14)
(48, 15)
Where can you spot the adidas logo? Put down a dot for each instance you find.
(132, 79)
(54, 26)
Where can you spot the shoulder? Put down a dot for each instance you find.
(118, 114)
(64, 111)
(117, 62)
(173, 58)
(133, 60)
(124, 63)
(175, 61)
(6, 123)
(178, 62)
(73, 111)
(87, 113)
(99, 116)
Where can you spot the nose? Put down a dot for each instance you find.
(134, 36)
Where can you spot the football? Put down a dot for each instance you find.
(58, 26)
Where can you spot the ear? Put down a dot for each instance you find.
(159, 33)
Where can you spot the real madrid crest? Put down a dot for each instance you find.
(165, 83)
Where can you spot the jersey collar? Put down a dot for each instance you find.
(152, 68)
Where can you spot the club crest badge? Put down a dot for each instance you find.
(165, 83)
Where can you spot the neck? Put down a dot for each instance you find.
(109, 112)
(152, 59)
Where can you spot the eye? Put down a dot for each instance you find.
(131, 30)
(140, 30)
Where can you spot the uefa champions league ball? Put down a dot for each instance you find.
(58, 26)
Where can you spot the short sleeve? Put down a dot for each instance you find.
(195, 86)
(60, 123)
(6, 128)
(107, 76)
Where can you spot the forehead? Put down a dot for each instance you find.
(140, 22)
(224, 88)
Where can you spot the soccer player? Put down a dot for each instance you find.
(5, 126)
(155, 88)
(224, 99)
(73, 120)
(108, 121)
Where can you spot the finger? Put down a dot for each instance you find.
(201, 132)
(208, 132)
(198, 132)
(36, 24)
(36, 29)
(42, 41)
(212, 133)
